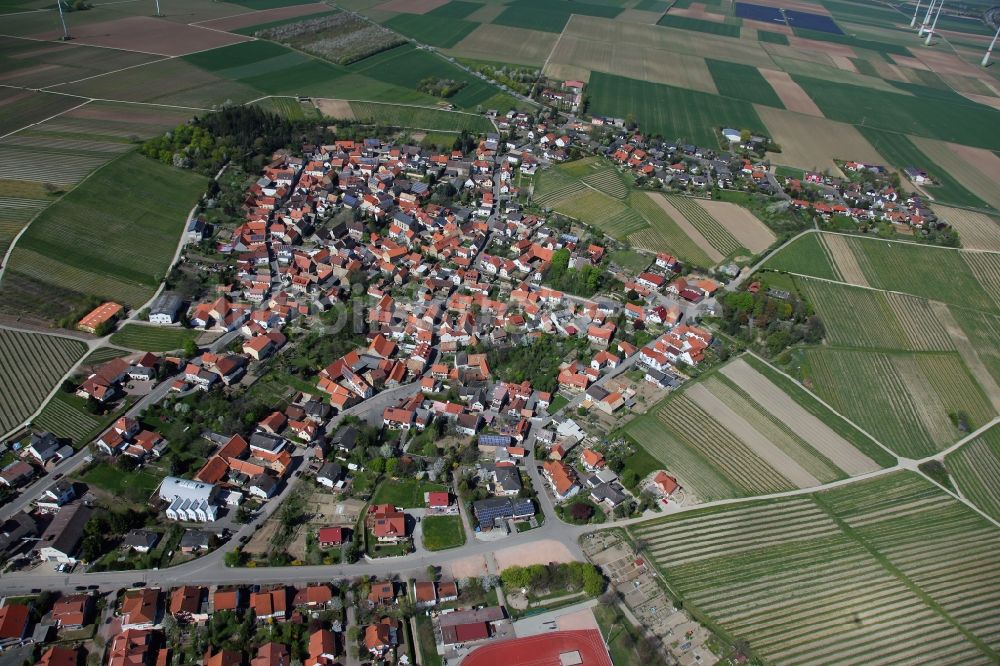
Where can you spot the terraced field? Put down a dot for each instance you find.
(975, 468)
(840, 577)
(30, 366)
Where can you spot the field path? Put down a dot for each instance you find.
(686, 227)
(749, 435)
(968, 353)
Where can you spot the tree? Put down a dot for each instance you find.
(593, 581)
(190, 348)
(581, 512)
(391, 466)
(376, 465)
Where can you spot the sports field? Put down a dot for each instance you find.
(839, 577)
(113, 237)
(32, 365)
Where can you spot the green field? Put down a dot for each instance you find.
(435, 120)
(698, 25)
(772, 37)
(405, 493)
(930, 112)
(713, 231)
(847, 576)
(21, 107)
(976, 469)
(136, 486)
(436, 30)
(113, 237)
(805, 256)
(442, 532)
(31, 364)
(673, 112)
(152, 338)
(901, 153)
(549, 15)
(743, 82)
(584, 198)
(289, 107)
(904, 400)
(66, 416)
(251, 30)
(102, 354)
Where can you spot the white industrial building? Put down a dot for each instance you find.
(191, 501)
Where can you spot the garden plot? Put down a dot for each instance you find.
(802, 586)
(30, 366)
(804, 425)
(976, 470)
(976, 230)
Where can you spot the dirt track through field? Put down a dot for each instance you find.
(750, 232)
(791, 94)
(686, 227)
(819, 435)
(844, 260)
(746, 433)
(968, 354)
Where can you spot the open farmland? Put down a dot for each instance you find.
(31, 364)
(981, 331)
(743, 82)
(807, 255)
(519, 46)
(670, 111)
(975, 468)
(39, 64)
(977, 231)
(839, 577)
(906, 401)
(141, 225)
(747, 430)
(663, 233)
(152, 338)
(699, 25)
(438, 120)
(341, 38)
(693, 234)
(568, 191)
(717, 236)
(432, 29)
(19, 108)
(869, 319)
(812, 143)
(740, 223)
(976, 169)
(265, 17)
(549, 15)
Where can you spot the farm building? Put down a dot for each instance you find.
(103, 314)
(165, 308)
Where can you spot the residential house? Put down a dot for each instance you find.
(140, 608)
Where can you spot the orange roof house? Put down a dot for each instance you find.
(560, 477)
(100, 315)
(665, 483)
(592, 459)
(386, 523)
(59, 656)
(13, 622)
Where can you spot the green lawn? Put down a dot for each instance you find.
(112, 237)
(405, 493)
(135, 486)
(674, 112)
(152, 338)
(631, 260)
(558, 403)
(442, 532)
(805, 256)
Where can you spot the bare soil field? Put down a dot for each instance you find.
(968, 353)
(146, 34)
(518, 45)
(829, 48)
(756, 442)
(796, 56)
(809, 142)
(791, 94)
(696, 11)
(260, 542)
(411, 6)
(654, 40)
(647, 64)
(983, 99)
(943, 62)
(751, 233)
(844, 260)
(335, 108)
(688, 228)
(819, 435)
(540, 552)
(768, 26)
(977, 231)
(264, 16)
(795, 5)
(121, 113)
(844, 63)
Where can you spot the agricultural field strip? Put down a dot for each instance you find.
(806, 426)
(62, 419)
(694, 234)
(761, 445)
(716, 234)
(985, 266)
(976, 470)
(699, 431)
(25, 382)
